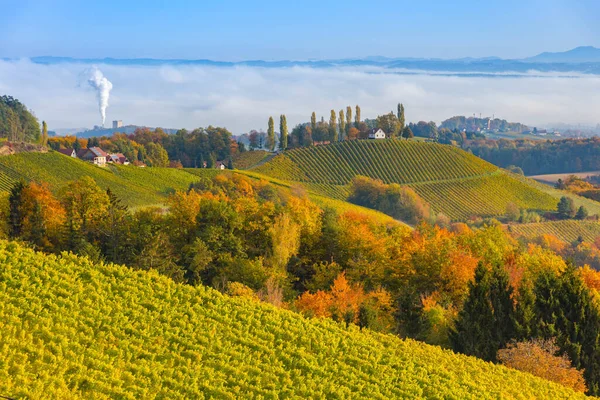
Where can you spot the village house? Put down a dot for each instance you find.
(94, 154)
(220, 165)
(68, 152)
(118, 158)
(377, 133)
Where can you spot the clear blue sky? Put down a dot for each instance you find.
(242, 29)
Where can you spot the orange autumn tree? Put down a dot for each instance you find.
(538, 357)
(349, 303)
(43, 216)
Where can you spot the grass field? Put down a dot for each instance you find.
(72, 329)
(452, 181)
(550, 179)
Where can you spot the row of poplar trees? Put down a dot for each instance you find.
(556, 306)
(338, 129)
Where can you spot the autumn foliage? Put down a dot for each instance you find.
(539, 357)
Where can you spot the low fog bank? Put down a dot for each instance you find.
(242, 98)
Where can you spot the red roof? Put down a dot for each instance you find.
(67, 152)
(98, 152)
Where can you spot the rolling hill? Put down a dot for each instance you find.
(137, 187)
(452, 181)
(72, 329)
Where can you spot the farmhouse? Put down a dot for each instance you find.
(376, 133)
(118, 158)
(68, 152)
(94, 154)
(220, 165)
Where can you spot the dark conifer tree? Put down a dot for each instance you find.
(15, 222)
(472, 334)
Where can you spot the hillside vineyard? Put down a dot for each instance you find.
(452, 181)
(72, 329)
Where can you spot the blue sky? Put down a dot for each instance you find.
(242, 30)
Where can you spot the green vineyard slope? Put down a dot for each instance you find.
(452, 181)
(136, 186)
(568, 231)
(72, 329)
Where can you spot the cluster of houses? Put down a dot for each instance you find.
(96, 156)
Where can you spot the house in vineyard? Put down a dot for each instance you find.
(377, 133)
(68, 152)
(94, 155)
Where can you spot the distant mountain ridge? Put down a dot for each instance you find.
(582, 54)
(585, 59)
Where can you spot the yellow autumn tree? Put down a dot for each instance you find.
(538, 357)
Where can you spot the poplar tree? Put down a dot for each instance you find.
(44, 133)
(283, 132)
(357, 117)
(271, 135)
(333, 136)
(313, 121)
(342, 125)
(401, 118)
(348, 119)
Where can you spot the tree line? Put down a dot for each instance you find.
(199, 148)
(537, 157)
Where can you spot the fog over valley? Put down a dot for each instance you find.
(242, 98)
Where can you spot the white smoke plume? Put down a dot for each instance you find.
(98, 81)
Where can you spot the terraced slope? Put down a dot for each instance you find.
(71, 329)
(452, 181)
(567, 231)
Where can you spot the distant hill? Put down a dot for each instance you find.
(472, 124)
(452, 181)
(128, 129)
(74, 329)
(17, 122)
(582, 54)
(474, 66)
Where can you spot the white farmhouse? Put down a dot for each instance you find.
(376, 133)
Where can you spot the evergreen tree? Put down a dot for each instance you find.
(503, 306)
(401, 118)
(407, 133)
(76, 145)
(348, 119)
(342, 125)
(271, 135)
(472, 332)
(357, 117)
(487, 321)
(333, 135)
(15, 220)
(525, 314)
(313, 121)
(37, 234)
(230, 164)
(565, 310)
(115, 229)
(582, 213)
(566, 208)
(283, 133)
